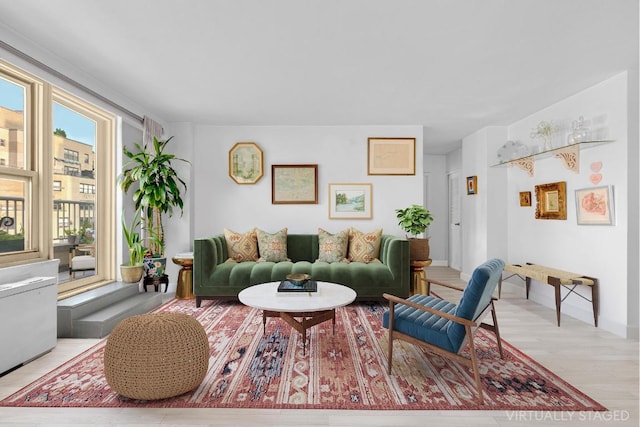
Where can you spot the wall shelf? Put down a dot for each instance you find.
(568, 154)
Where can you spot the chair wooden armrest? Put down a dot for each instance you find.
(446, 285)
(394, 299)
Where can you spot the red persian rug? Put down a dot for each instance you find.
(345, 370)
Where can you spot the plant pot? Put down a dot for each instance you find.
(14, 245)
(73, 239)
(131, 273)
(155, 267)
(418, 249)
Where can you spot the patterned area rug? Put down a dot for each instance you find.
(345, 370)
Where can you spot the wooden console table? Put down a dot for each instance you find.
(557, 279)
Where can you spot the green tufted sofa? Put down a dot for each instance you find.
(214, 278)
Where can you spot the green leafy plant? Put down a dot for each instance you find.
(414, 220)
(133, 239)
(159, 188)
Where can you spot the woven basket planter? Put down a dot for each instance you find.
(156, 356)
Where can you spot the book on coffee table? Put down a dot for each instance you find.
(289, 286)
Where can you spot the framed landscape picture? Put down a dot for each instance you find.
(391, 156)
(294, 184)
(594, 206)
(551, 201)
(245, 163)
(350, 201)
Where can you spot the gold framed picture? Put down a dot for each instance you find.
(551, 201)
(350, 201)
(294, 184)
(391, 156)
(525, 198)
(245, 163)
(472, 185)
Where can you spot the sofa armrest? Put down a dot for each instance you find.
(207, 254)
(394, 253)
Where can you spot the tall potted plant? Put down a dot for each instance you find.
(132, 271)
(415, 220)
(158, 193)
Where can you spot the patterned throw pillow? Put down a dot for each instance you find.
(242, 247)
(364, 247)
(333, 247)
(272, 247)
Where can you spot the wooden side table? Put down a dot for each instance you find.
(184, 288)
(417, 273)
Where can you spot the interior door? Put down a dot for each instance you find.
(455, 232)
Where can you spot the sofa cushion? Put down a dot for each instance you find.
(242, 246)
(364, 247)
(272, 247)
(332, 247)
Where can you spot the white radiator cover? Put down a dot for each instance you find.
(27, 320)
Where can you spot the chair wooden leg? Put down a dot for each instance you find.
(474, 366)
(496, 330)
(390, 336)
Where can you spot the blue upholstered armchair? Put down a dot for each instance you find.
(444, 327)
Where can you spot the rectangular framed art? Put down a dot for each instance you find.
(595, 206)
(391, 156)
(350, 201)
(472, 185)
(294, 184)
(551, 201)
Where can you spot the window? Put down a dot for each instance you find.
(46, 200)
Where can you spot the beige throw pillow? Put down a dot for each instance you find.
(272, 247)
(242, 246)
(332, 247)
(364, 247)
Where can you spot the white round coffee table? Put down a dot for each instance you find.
(312, 307)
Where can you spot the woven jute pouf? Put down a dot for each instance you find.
(156, 356)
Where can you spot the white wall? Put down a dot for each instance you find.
(341, 155)
(598, 251)
(437, 201)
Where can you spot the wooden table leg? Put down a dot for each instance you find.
(555, 282)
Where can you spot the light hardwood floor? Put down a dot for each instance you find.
(598, 363)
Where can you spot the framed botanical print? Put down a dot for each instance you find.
(245, 163)
(350, 201)
(294, 184)
(551, 201)
(595, 206)
(391, 156)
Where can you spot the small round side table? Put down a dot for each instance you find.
(184, 288)
(417, 273)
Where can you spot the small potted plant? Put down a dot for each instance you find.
(415, 220)
(132, 271)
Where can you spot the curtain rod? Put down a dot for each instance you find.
(66, 79)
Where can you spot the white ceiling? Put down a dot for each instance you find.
(452, 66)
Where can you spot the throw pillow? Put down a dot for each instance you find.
(242, 246)
(272, 247)
(332, 247)
(364, 247)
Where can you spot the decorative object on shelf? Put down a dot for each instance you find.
(159, 190)
(525, 198)
(415, 220)
(350, 201)
(580, 133)
(595, 206)
(545, 131)
(472, 185)
(245, 163)
(391, 156)
(294, 184)
(551, 201)
(512, 150)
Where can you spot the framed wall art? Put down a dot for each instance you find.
(245, 163)
(294, 184)
(472, 185)
(350, 201)
(525, 198)
(595, 206)
(391, 156)
(551, 201)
